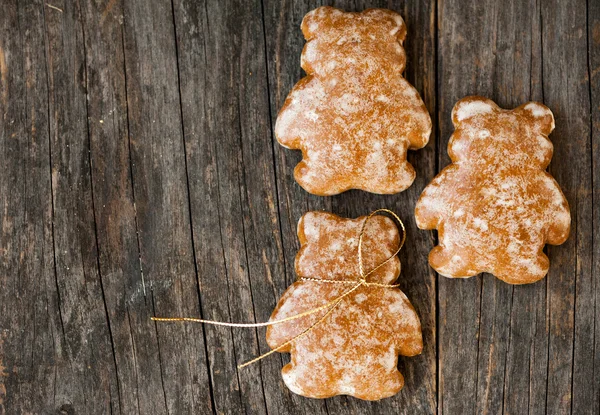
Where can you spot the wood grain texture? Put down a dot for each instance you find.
(566, 90)
(31, 341)
(589, 397)
(141, 177)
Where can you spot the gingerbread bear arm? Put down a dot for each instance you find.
(495, 207)
(353, 116)
(354, 350)
(407, 327)
(299, 297)
(434, 201)
(560, 218)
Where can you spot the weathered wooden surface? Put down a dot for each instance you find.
(140, 176)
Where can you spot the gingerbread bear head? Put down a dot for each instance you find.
(353, 350)
(485, 133)
(354, 116)
(338, 40)
(330, 247)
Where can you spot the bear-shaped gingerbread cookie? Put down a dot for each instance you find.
(353, 116)
(353, 350)
(495, 207)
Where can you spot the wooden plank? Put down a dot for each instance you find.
(233, 194)
(135, 344)
(417, 280)
(284, 44)
(30, 331)
(525, 347)
(509, 343)
(527, 344)
(566, 91)
(466, 39)
(592, 388)
(572, 287)
(162, 205)
(73, 322)
(88, 374)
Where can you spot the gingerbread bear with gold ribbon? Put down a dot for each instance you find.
(351, 347)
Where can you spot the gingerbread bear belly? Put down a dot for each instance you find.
(353, 116)
(353, 350)
(495, 207)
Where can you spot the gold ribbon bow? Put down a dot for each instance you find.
(329, 306)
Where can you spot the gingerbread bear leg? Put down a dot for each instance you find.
(300, 382)
(306, 380)
(384, 171)
(525, 270)
(404, 177)
(449, 263)
(317, 179)
(393, 381)
(383, 178)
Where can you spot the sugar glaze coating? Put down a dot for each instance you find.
(495, 207)
(353, 116)
(355, 350)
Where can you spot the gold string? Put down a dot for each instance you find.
(329, 306)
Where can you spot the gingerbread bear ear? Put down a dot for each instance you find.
(309, 226)
(540, 115)
(390, 19)
(401, 33)
(320, 21)
(470, 107)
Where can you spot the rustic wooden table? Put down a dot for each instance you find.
(140, 176)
